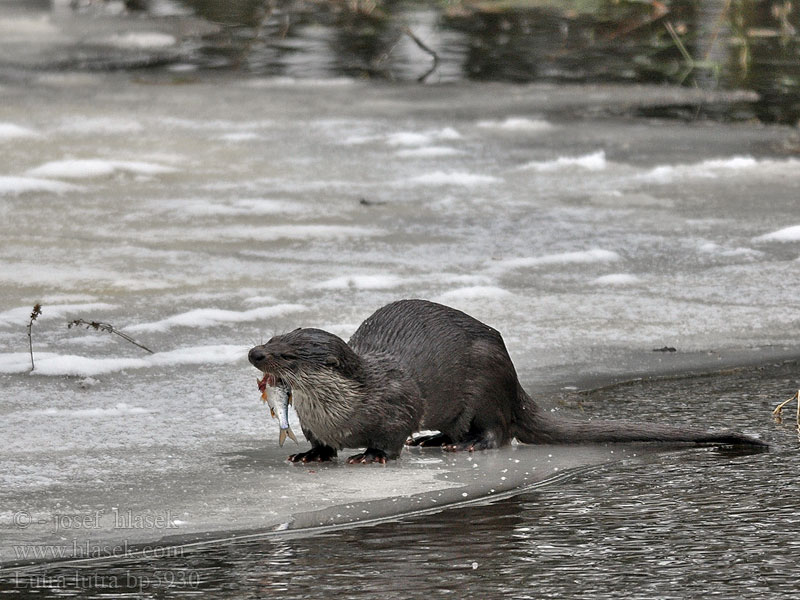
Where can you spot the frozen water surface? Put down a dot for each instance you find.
(204, 217)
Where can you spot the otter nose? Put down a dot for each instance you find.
(257, 355)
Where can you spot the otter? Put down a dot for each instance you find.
(417, 365)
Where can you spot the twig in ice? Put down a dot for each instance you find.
(37, 310)
(107, 327)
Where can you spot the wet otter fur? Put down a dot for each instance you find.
(343, 399)
(416, 365)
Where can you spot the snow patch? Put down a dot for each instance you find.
(140, 40)
(594, 255)
(408, 138)
(198, 355)
(716, 167)
(787, 234)
(243, 207)
(714, 248)
(239, 136)
(736, 162)
(96, 167)
(51, 364)
(121, 409)
(260, 300)
(10, 131)
(209, 317)
(517, 124)
(48, 363)
(20, 185)
(596, 161)
(453, 178)
(413, 138)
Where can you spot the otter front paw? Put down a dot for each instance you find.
(371, 455)
(316, 454)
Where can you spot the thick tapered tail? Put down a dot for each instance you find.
(534, 426)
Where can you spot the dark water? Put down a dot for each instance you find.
(684, 524)
(713, 44)
(710, 44)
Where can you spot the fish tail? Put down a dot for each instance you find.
(290, 433)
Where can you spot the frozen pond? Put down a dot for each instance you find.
(675, 524)
(202, 217)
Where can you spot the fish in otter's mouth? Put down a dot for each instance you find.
(269, 380)
(278, 395)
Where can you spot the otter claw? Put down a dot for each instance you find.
(459, 447)
(316, 454)
(367, 457)
(433, 440)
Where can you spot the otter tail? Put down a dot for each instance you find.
(534, 426)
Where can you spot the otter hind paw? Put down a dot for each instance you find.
(370, 455)
(316, 454)
(460, 447)
(428, 441)
(472, 443)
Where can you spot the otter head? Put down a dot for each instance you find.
(325, 375)
(294, 356)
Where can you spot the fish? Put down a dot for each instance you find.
(278, 397)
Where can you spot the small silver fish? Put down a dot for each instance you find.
(279, 398)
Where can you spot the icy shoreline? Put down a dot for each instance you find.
(423, 483)
(243, 488)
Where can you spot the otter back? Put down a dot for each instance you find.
(461, 366)
(470, 388)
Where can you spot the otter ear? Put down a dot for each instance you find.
(331, 361)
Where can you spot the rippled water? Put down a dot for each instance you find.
(691, 523)
(711, 44)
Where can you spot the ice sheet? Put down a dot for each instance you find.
(223, 212)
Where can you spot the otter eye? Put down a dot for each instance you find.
(332, 361)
